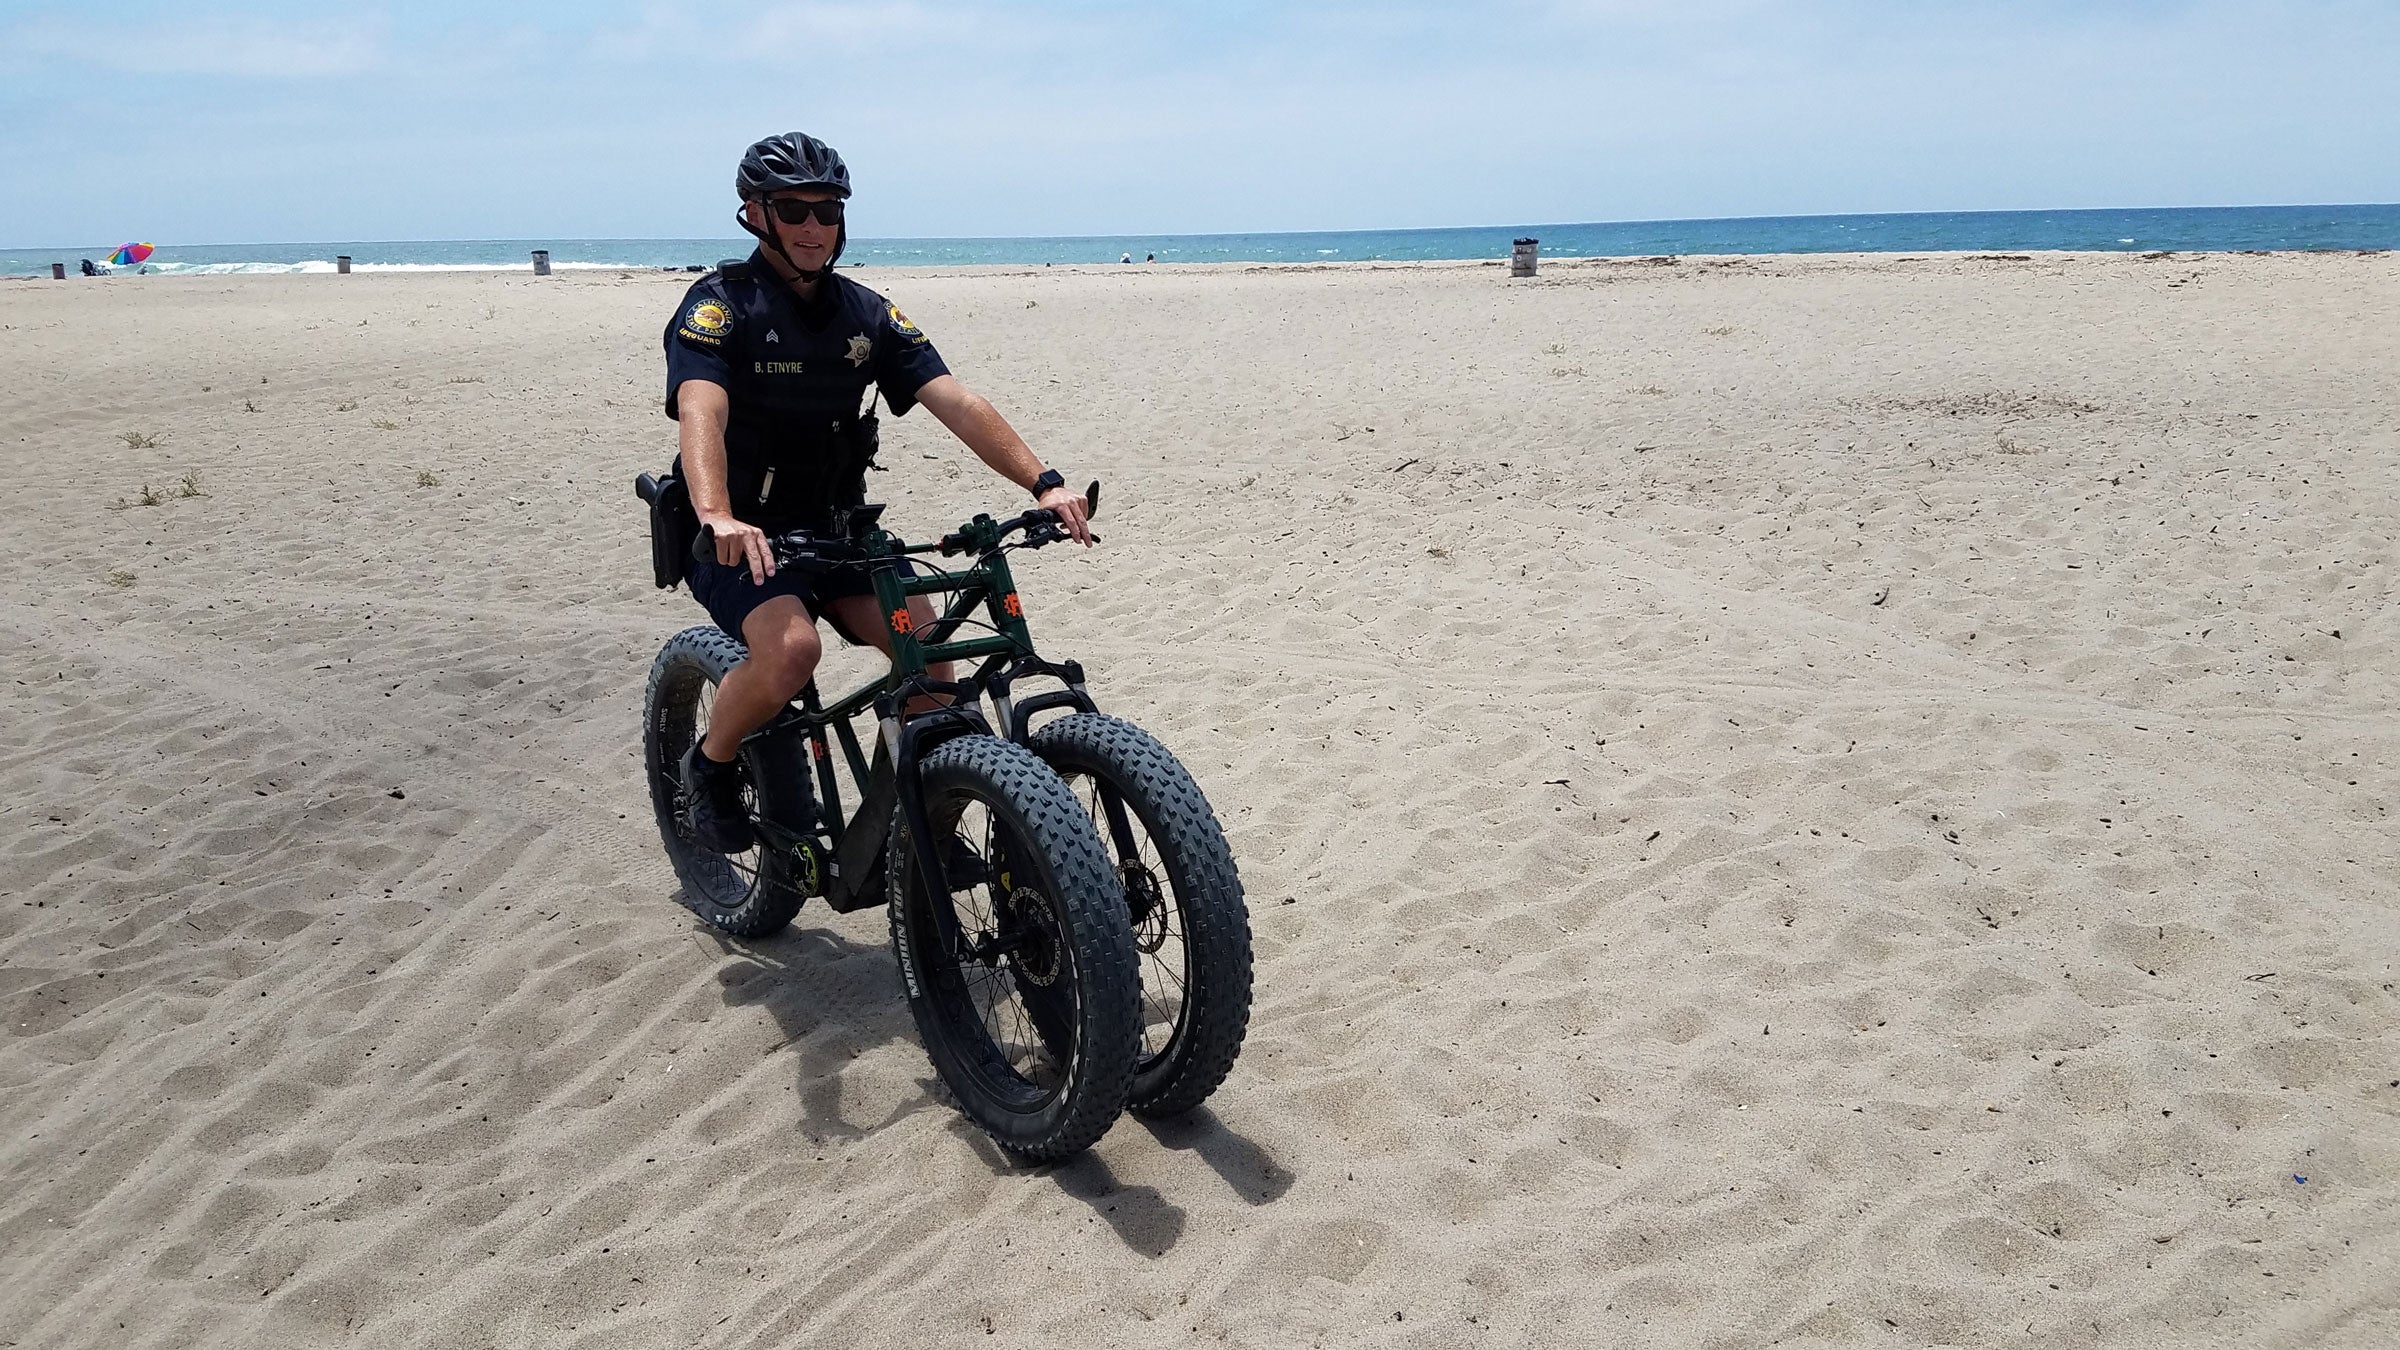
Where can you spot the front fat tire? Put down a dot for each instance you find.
(757, 896)
(1055, 852)
(1206, 890)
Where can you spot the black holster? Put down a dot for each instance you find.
(674, 526)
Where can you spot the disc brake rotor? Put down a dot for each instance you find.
(1145, 904)
(1034, 949)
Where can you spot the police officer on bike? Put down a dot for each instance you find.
(768, 363)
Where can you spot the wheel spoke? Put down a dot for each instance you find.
(1158, 934)
(993, 938)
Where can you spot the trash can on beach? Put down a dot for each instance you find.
(341, 263)
(1522, 258)
(58, 271)
(541, 262)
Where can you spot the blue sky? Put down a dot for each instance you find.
(197, 123)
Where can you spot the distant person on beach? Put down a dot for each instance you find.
(768, 361)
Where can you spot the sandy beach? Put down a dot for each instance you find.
(1823, 800)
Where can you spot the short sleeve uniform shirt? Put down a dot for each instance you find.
(796, 375)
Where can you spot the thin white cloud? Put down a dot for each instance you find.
(232, 47)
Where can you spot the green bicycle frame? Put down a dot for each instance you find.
(888, 785)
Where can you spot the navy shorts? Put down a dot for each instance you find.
(730, 594)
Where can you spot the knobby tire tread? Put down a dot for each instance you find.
(1056, 826)
(1206, 884)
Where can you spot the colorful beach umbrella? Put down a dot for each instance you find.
(129, 253)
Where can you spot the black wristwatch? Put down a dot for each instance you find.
(1051, 478)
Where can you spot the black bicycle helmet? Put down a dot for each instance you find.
(792, 160)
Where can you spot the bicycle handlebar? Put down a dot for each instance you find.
(1040, 525)
(802, 546)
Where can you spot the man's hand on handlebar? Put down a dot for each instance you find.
(1070, 507)
(739, 544)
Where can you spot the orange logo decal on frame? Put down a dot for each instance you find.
(1014, 606)
(900, 621)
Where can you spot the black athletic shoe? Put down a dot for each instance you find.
(712, 797)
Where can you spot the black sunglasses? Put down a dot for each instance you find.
(793, 211)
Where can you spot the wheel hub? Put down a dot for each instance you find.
(1033, 942)
(1146, 905)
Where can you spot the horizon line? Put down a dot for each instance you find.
(1239, 234)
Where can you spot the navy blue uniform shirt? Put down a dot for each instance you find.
(796, 374)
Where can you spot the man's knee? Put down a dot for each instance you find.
(784, 647)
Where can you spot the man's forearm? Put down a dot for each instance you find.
(700, 440)
(972, 418)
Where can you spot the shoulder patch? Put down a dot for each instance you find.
(707, 322)
(901, 325)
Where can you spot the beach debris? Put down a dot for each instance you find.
(120, 578)
(189, 484)
(138, 440)
(397, 795)
(1881, 596)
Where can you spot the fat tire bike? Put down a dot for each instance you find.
(1067, 919)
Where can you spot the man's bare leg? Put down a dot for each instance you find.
(784, 649)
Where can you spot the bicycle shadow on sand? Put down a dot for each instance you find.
(834, 1000)
(1145, 1220)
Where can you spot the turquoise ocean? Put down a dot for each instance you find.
(2196, 229)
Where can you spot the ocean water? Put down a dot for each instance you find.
(2196, 229)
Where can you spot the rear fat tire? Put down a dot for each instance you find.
(1093, 1007)
(1205, 887)
(756, 893)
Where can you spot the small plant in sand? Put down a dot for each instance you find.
(428, 478)
(466, 379)
(1721, 330)
(1650, 389)
(150, 497)
(1555, 349)
(346, 405)
(139, 440)
(248, 406)
(189, 485)
(383, 424)
(120, 578)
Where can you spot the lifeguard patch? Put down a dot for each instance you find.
(902, 326)
(707, 322)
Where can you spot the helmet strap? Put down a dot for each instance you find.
(775, 241)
